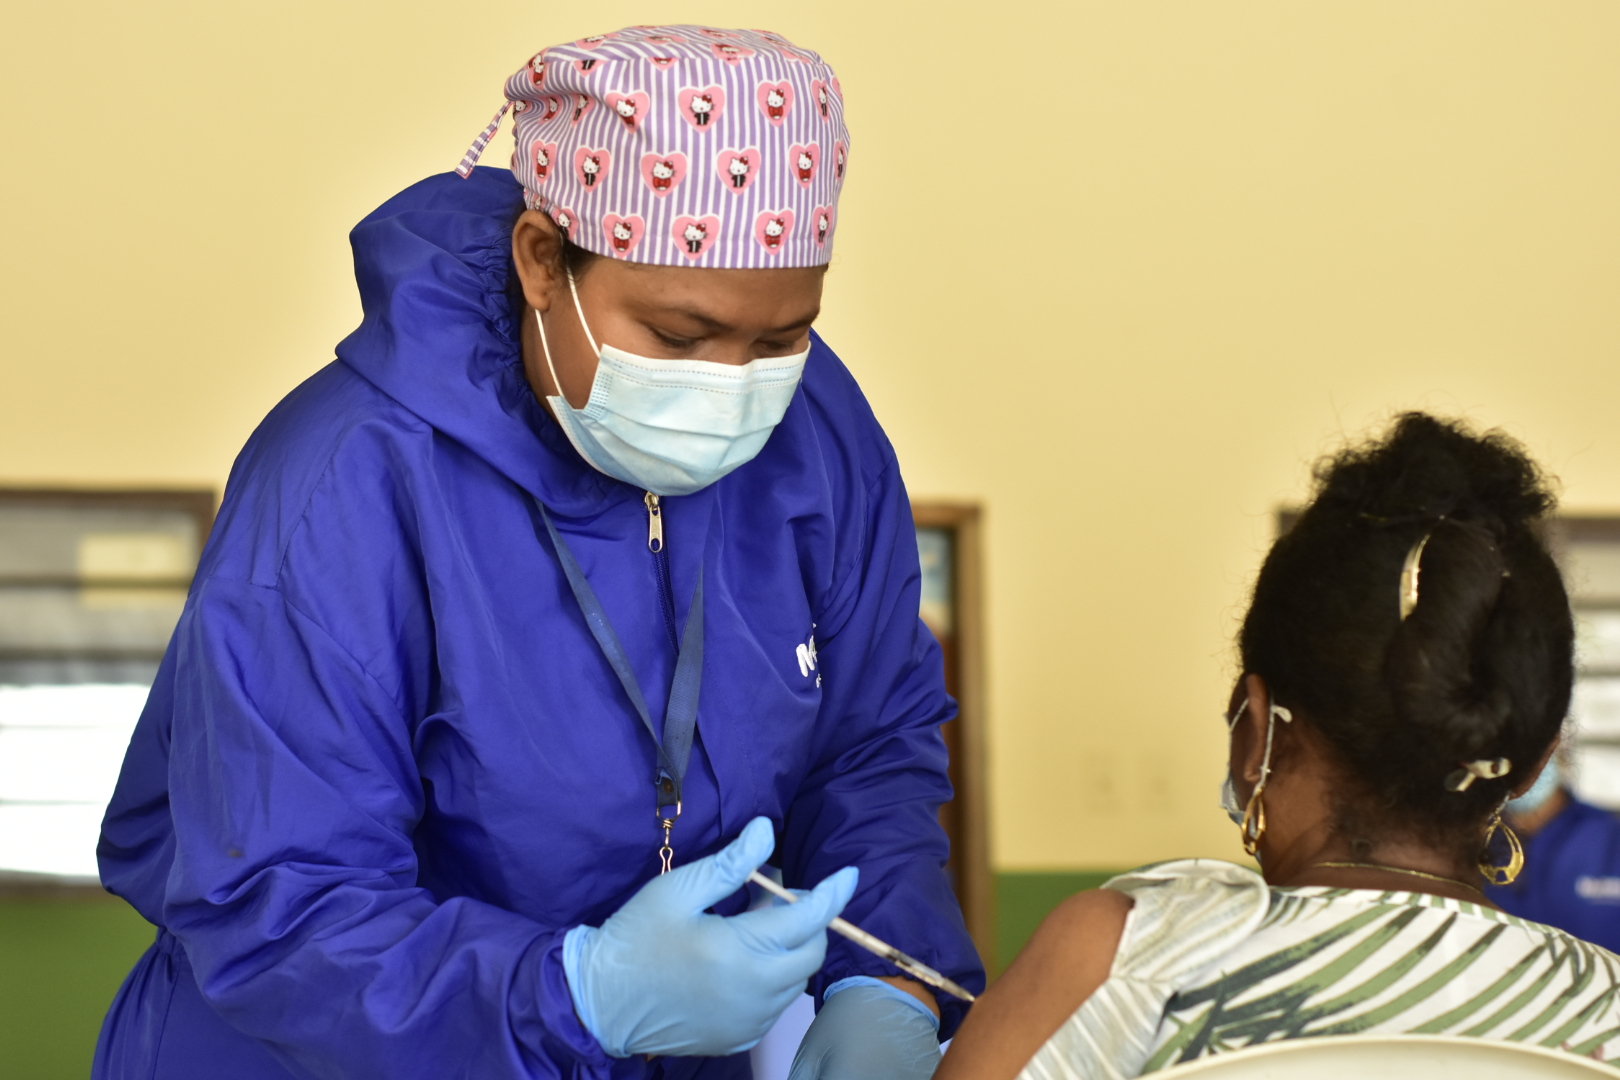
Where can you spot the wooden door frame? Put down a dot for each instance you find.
(971, 846)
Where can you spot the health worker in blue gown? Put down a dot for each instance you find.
(1571, 876)
(579, 586)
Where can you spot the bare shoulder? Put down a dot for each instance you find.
(1063, 964)
(1086, 913)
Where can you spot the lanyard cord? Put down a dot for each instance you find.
(680, 717)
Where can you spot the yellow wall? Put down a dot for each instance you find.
(1117, 270)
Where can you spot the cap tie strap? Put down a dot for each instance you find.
(476, 150)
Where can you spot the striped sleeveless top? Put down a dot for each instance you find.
(1212, 959)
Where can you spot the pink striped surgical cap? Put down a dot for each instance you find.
(682, 146)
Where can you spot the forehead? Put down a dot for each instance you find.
(742, 299)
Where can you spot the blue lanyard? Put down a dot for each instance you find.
(680, 717)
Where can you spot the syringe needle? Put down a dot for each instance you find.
(876, 945)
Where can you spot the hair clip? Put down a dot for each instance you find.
(1484, 769)
(1409, 576)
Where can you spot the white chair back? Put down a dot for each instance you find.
(1392, 1057)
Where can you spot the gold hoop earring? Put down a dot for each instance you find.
(1508, 873)
(1254, 823)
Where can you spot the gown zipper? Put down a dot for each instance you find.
(666, 588)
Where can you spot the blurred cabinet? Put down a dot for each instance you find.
(948, 544)
(1588, 549)
(91, 586)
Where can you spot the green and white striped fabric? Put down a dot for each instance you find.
(1213, 960)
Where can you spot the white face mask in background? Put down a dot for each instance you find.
(673, 427)
(1545, 787)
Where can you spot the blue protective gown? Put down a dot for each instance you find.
(385, 767)
(1571, 876)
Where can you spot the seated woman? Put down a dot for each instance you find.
(1407, 667)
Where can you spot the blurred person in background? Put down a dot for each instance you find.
(582, 584)
(1407, 667)
(1571, 876)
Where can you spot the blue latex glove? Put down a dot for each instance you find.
(868, 1030)
(662, 977)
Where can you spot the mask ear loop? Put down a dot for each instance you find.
(572, 288)
(1254, 815)
(1231, 721)
(1287, 717)
(545, 346)
(545, 349)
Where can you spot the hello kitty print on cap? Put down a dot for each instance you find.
(681, 146)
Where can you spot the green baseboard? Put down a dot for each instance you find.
(61, 962)
(1024, 898)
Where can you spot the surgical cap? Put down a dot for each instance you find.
(682, 146)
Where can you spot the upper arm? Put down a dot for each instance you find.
(915, 989)
(1064, 963)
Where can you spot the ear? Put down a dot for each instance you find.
(1249, 733)
(537, 253)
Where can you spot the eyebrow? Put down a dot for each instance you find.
(711, 323)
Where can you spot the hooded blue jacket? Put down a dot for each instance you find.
(385, 767)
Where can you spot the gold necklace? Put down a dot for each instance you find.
(1394, 870)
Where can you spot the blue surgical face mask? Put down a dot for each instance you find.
(1229, 801)
(673, 427)
(1545, 787)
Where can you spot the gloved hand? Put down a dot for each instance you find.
(868, 1030)
(662, 977)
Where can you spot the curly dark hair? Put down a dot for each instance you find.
(1482, 668)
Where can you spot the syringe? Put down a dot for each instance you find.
(911, 966)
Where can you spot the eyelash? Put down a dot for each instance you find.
(674, 342)
(670, 342)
